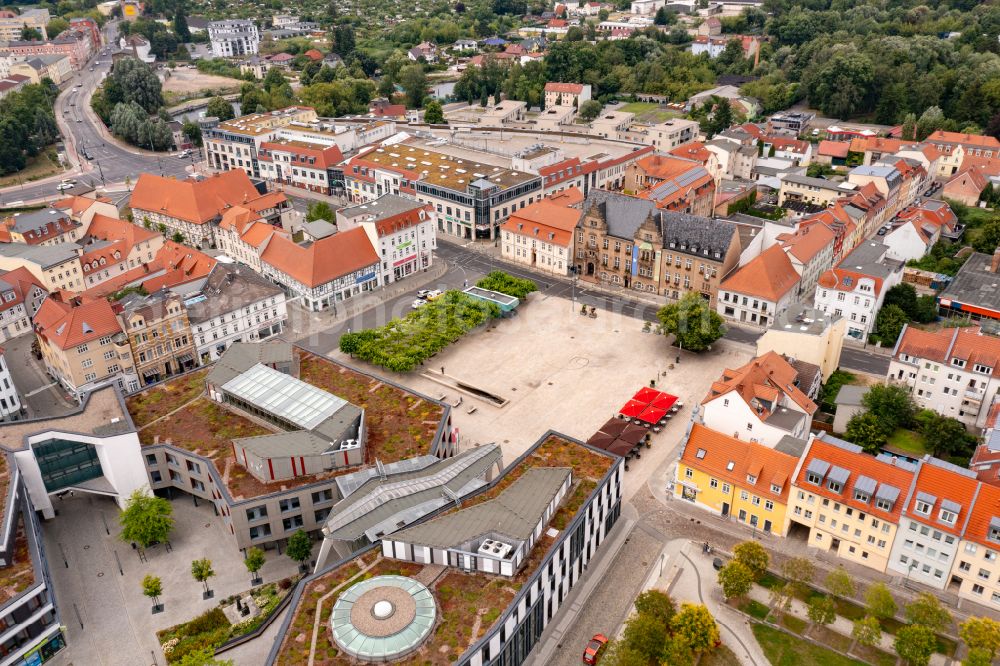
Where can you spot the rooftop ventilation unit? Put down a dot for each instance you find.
(494, 548)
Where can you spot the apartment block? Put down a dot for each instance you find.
(11, 408)
(233, 38)
(159, 334)
(402, 230)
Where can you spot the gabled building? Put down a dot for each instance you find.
(849, 501)
(83, 346)
(566, 94)
(937, 511)
(305, 164)
(760, 402)
(11, 407)
(673, 184)
(243, 235)
(736, 479)
(953, 371)
(425, 50)
(810, 249)
(540, 236)
(112, 247)
(856, 288)
(976, 571)
(757, 292)
(325, 272)
(21, 294)
(159, 333)
(48, 226)
(402, 230)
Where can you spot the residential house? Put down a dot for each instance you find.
(83, 346)
(402, 230)
(243, 235)
(47, 226)
(233, 38)
(671, 133)
(757, 292)
(791, 123)
(818, 191)
(760, 401)
(54, 66)
(21, 294)
(159, 333)
(966, 187)
(806, 334)
(856, 287)
(566, 94)
(673, 184)
(11, 408)
(304, 164)
(425, 50)
(540, 236)
(832, 153)
(12, 22)
(735, 478)
(737, 160)
(955, 146)
(932, 523)
(849, 501)
(234, 304)
(326, 272)
(54, 266)
(810, 249)
(696, 151)
(849, 403)
(113, 247)
(953, 371)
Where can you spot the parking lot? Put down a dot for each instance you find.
(561, 371)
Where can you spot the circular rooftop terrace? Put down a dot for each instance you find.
(383, 618)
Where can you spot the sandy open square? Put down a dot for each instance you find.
(187, 81)
(562, 371)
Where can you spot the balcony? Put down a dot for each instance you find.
(974, 395)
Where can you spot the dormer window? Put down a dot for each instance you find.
(751, 479)
(730, 465)
(982, 369)
(958, 362)
(836, 479)
(924, 504)
(949, 512)
(948, 517)
(883, 504)
(701, 454)
(994, 533)
(860, 496)
(776, 489)
(834, 486)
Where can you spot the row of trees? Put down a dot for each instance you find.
(130, 103)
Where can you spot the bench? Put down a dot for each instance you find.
(472, 410)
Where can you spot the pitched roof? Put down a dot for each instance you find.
(964, 139)
(966, 344)
(891, 477)
(807, 242)
(193, 201)
(693, 150)
(322, 156)
(324, 260)
(843, 279)
(985, 517)
(732, 460)
(622, 213)
(770, 275)
(762, 379)
(68, 326)
(545, 220)
(572, 88)
(833, 148)
(943, 486)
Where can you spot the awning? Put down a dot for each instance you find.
(621, 448)
(646, 395)
(948, 505)
(665, 401)
(403, 261)
(150, 373)
(601, 440)
(652, 415)
(185, 358)
(633, 433)
(613, 427)
(633, 408)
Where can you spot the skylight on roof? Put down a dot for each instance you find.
(730, 465)
(700, 454)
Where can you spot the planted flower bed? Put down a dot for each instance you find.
(403, 344)
(507, 284)
(211, 629)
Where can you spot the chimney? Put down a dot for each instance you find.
(995, 261)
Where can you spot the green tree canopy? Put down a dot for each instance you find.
(867, 431)
(841, 583)
(752, 555)
(146, 519)
(657, 604)
(867, 631)
(590, 109)
(414, 83)
(254, 560)
(320, 210)
(927, 610)
(299, 547)
(220, 108)
(944, 435)
(735, 579)
(915, 643)
(152, 587)
(822, 610)
(695, 626)
(880, 602)
(889, 324)
(981, 633)
(891, 403)
(647, 636)
(201, 571)
(433, 113)
(692, 321)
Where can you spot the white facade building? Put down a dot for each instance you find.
(10, 402)
(402, 230)
(232, 38)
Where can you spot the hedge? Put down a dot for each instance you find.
(507, 284)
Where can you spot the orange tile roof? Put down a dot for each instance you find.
(859, 464)
(571, 196)
(763, 378)
(943, 483)
(111, 229)
(833, 148)
(573, 88)
(966, 344)
(770, 275)
(694, 150)
(988, 166)
(193, 201)
(324, 260)
(663, 167)
(986, 509)
(76, 204)
(545, 220)
(324, 157)
(964, 139)
(766, 464)
(807, 242)
(862, 144)
(843, 279)
(67, 326)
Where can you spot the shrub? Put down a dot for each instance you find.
(285, 583)
(507, 284)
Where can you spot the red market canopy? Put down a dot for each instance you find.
(652, 415)
(646, 395)
(633, 408)
(665, 401)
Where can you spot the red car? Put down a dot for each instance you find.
(593, 649)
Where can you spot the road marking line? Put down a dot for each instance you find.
(39, 390)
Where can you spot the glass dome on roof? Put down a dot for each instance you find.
(383, 618)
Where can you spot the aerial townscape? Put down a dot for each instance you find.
(500, 332)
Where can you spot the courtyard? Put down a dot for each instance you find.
(561, 371)
(117, 625)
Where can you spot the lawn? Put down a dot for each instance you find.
(754, 608)
(781, 649)
(149, 405)
(722, 656)
(40, 166)
(874, 656)
(830, 638)
(649, 111)
(908, 442)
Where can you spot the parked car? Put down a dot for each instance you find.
(184, 153)
(417, 303)
(423, 293)
(434, 293)
(593, 650)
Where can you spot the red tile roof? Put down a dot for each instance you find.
(67, 326)
(722, 452)
(807, 242)
(571, 88)
(943, 483)
(694, 150)
(324, 260)
(965, 344)
(770, 275)
(193, 201)
(979, 140)
(859, 464)
(324, 157)
(833, 148)
(763, 378)
(986, 509)
(843, 279)
(547, 221)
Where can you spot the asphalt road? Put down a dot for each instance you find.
(110, 163)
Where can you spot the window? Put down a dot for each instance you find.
(948, 516)
(977, 589)
(984, 574)
(814, 479)
(688, 473)
(744, 495)
(260, 531)
(835, 486)
(775, 489)
(923, 507)
(289, 504)
(292, 522)
(883, 504)
(322, 496)
(714, 483)
(861, 496)
(725, 488)
(768, 505)
(257, 512)
(964, 566)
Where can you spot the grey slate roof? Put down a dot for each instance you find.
(381, 506)
(228, 288)
(697, 233)
(386, 205)
(624, 214)
(975, 284)
(241, 356)
(793, 446)
(869, 258)
(850, 395)
(43, 255)
(513, 513)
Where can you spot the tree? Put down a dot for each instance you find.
(299, 547)
(132, 80)
(927, 610)
(177, 237)
(752, 555)
(658, 604)
(880, 601)
(930, 120)
(840, 583)
(915, 643)
(663, 17)
(844, 84)
(220, 108)
(799, 571)
(193, 132)
(891, 403)
(867, 431)
(146, 519)
(978, 657)
(590, 109)
(29, 34)
(692, 321)
(56, 26)
(822, 610)
(414, 83)
(181, 28)
(736, 580)
(981, 633)
(273, 80)
(254, 561)
(202, 657)
(780, 596)
(867, 631)
(319, 210)
(647, 636)
(433, 113)
(152, 587)
(696, 627)
(943, 435)
(903, 295)
(889, 324)
(201, 571)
